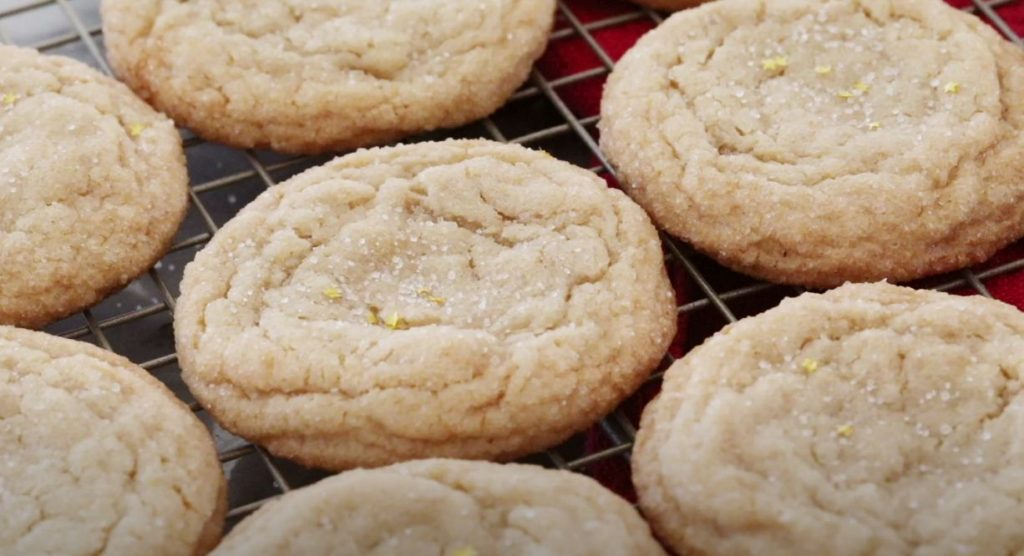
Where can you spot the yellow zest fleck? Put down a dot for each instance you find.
(332, 293)
(823, 70)
(952, 87)
(465, 551)
(10, 98)
(778, 63)
(373, 316)
(845, 431)
(809, 366)
(395, 322)
(862, 87)
(136, 130)
(874, 125)
(429, 296)
(846, 95)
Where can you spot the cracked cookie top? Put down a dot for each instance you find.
(98, 457)
(92, 186)
(815, 142)
(871, 419)
(309, 76)
(463, 298)
(446, 507)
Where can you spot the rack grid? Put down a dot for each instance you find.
(136, 322)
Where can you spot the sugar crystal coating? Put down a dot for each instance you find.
(888, 144)
(493, 300)
(906, 440)
(447, 508)
(98, 457)
(92, 186)
(310, 76)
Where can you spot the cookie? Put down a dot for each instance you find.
(99, 457)
(92, 186)
(449, 508)
(816, 142)
(459, 299)
(872, 419)
(305, 77)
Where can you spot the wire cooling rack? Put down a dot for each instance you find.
(545, 113)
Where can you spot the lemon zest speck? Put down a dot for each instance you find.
(952, 87)
(373, 315)
(874, 125)
(809, 366)
(464, 551)
(429, 296)
(846, 431)
(332, 293)
(823, 70)
(10, 98)
(777, 63)
(395, 322)
(136, 130)
(862, 87)
(845, 95)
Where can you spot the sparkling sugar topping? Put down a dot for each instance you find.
(798, 92)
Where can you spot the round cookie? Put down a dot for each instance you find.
(816, 142)
(459, 299)
(92, 186)
(446, 507)
(306, 77)
(872, 419)
(99, 457)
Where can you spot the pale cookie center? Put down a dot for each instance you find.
(67, 462)
(404, 266)
(836, 93)
(383, 39)
(37, 191)
(923, 428)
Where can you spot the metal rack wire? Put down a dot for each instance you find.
(137, 321)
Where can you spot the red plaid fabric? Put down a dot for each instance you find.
(572, 55)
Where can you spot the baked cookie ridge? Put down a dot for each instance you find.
(807, 143)
(458, 299)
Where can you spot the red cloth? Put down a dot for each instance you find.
(571, 55)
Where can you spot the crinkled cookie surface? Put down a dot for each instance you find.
(92, 186)
(872, 419)
(316, 75)
(815, 142)
(458, 299)
(98, 457)
(450, 508)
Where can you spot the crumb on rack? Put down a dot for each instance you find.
(845, 431)
(810, 366)
(775, 64)
(429, 296)
(332, 293)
